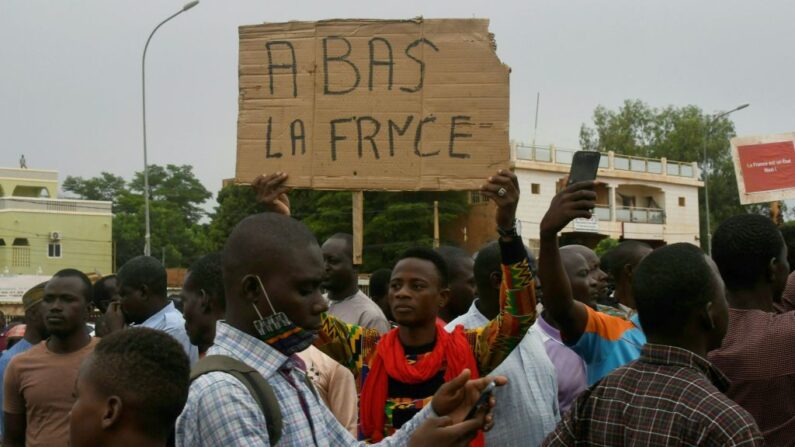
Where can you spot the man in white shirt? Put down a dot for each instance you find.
(528, 410)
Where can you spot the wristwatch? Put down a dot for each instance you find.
(513, 231)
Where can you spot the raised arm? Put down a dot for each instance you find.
(574, 201)
(495, 341)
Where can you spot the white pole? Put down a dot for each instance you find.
(148, 235)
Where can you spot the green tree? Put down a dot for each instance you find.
(605, 245)
(175, 212)
(176, 185)
(107, 187)
(677, 133)
(235, 203)
(393, 222)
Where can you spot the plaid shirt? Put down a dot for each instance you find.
(670, 396)
(788, 297)
(221, 412)
(758, 359)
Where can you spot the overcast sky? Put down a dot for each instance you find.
(70, 71)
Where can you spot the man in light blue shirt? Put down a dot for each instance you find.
(35, 331)
(528, 408)
(144, 302)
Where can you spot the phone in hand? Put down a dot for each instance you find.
(482, 400)
(584, 166)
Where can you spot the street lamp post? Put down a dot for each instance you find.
(148, 236)
(711, 120)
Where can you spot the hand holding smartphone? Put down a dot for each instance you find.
(482, 401)
(584, 166)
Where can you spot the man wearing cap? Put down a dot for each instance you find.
(34, 331)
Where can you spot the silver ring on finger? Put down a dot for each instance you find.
(501, 192)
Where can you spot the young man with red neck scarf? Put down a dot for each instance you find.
(398, 373)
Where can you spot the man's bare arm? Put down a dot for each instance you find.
(573, 202)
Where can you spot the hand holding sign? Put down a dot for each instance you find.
(272, 192)
(503, 189)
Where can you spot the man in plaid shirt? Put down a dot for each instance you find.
(671, 395)
(272, 265)
(757, 353)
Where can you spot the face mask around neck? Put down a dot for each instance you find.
(278, 331)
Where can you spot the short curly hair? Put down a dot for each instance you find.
(669, 283)
(379, 283)
(743, 246)
(144, 271)
(207, 274)
(431, 256)
(148, 369)
(101, 293)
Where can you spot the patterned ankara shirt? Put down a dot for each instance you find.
(758, 358)
(668, 397)
(221, 412)
(354, 346)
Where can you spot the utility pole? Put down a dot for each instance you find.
(535, 126)
(435, 224)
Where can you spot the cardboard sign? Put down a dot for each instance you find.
(765, 167)
(373, 104)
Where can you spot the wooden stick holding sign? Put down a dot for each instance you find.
(358, 226)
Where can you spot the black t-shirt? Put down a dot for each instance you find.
(410, 392)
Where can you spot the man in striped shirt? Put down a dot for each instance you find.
(671, 395)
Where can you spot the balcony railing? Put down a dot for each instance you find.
(609, 160)
(31, 174)
(54, 205)
(640, 215)
(602, 212)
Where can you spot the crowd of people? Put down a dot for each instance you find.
(276, 344)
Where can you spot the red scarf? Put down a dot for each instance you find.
(390, 361)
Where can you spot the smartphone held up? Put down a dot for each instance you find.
(584, 166)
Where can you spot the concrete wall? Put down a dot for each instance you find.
(28, 182)
(86, 242)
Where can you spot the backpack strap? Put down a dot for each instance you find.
(257, 386)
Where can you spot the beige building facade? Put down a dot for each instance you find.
(650, 200)
(41, 233)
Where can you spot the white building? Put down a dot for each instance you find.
(651, 200)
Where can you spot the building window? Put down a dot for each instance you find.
(681, 201)
(2, 242)
(535, 188)
(54, 250)
(20, 257)
(21, 242)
